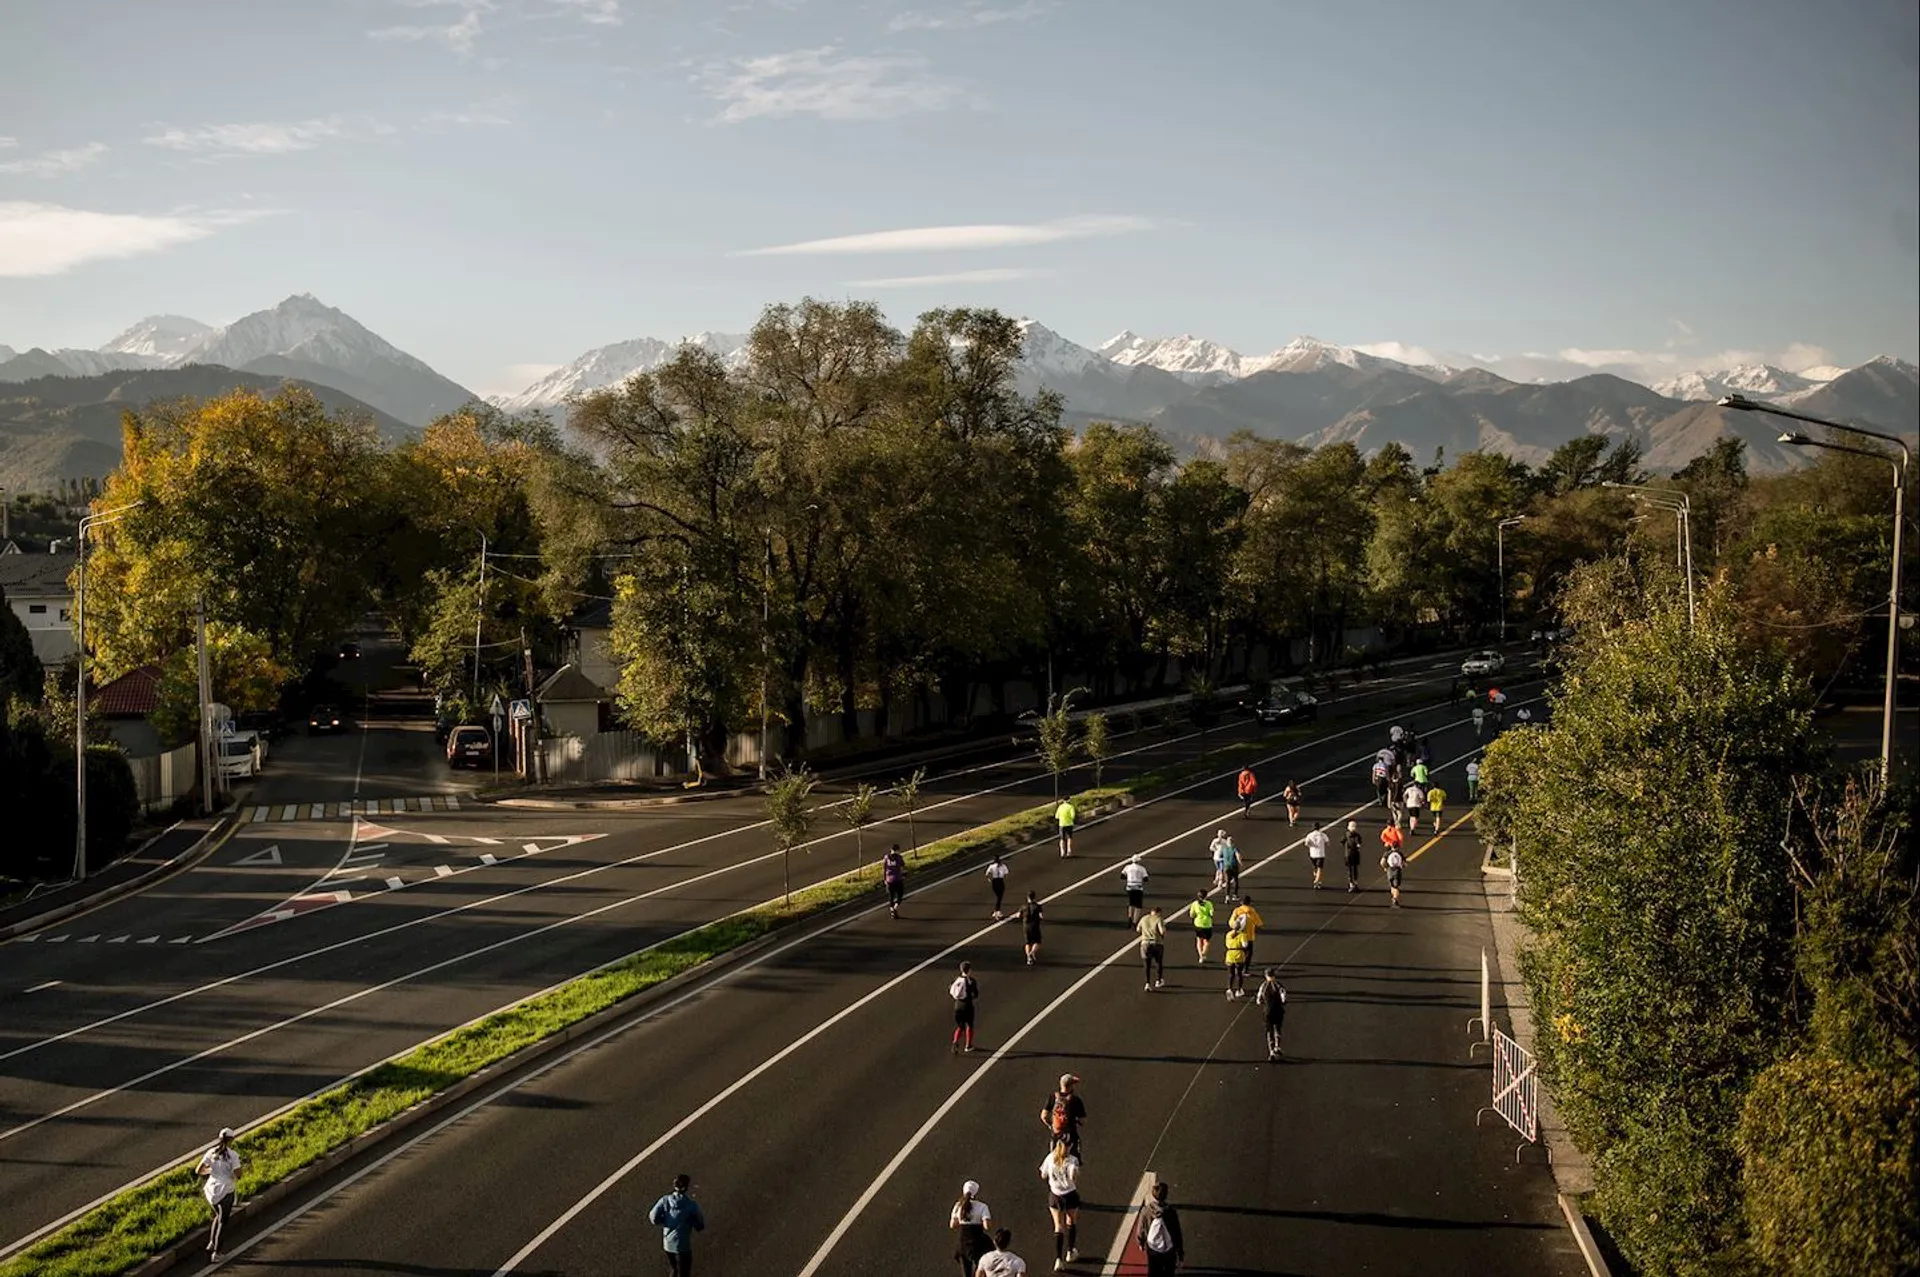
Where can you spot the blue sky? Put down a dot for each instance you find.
(499, 185)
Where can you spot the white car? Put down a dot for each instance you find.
(1482, 663)
(241, 755)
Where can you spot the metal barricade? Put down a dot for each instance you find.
(1516, 1091)
(1485, 1018)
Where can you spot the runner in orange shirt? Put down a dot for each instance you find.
(1247, 787)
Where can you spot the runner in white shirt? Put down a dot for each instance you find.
(1001, 1262)
(997, 879)
(1473, 781)
(1135, 876)
(1317, 852)
(1413, 798)
(1226, 864)
(1061, 1170)
(221, 1168)
(970, 1219)
(1395, 864)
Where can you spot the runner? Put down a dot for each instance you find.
(1391, 839)
(1237, 943)
(1001, 1261)
(1273, 997)
(1352, 846)
(220, 1166)
(1061, 1170)
(964, 991)
(1473, 781)
(1159, 1235)
(1031, 916)
(1226, 865)
(1064, 1114)
(1397, 734)
(1063, 816)
(1419, 771)
(1291, 796)
(1201, 911)
(1250, 920)
(1412, 799)
(971, 1219)
(997, 879)
(1317, 852)
(893, 871)
(1153, 948)
(1479, 722)
(1395, 862)
(678, 1217)
(1436, 799)
(1246, 787)
(1523, 717)
(1135, 875)
(1382, 785)
(1497, 701)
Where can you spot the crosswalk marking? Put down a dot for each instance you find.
(417, 803)
(319, 810)
(486, 858)
(394, 884)
(443, 871)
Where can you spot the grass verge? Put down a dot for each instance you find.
(120, 1234)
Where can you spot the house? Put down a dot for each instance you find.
(571, 704)
(37, 591)
(127, 704)
(590, 631)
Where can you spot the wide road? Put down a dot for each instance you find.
(305, 949)
(811, 1093)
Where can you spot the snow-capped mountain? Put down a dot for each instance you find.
(166, 337)
(6, 353)
(1192, 359)
(611, 365)
(1759, 381)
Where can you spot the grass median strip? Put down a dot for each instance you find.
(122, 1233)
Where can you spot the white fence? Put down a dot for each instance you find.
(1516, 1090)
(162, 779)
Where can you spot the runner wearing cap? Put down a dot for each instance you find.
(1061, 1170)
(1135, 875)
(1351, 845)
(970, 1219)
(1064, 1114)
(220, 1167)
(1248, 918)
(1239, 945)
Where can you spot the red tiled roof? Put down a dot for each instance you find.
(132, 695)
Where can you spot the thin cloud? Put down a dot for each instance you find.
(472, 117)
(1418, 356)
(6, 142)
(937, 239)
(964, 17)
(458, 37)
(991, 275)
(251, 139)
(55, 163)
(599, 13)
(50, 239)
(829, 84)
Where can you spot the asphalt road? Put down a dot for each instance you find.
(811, 1093)
(258, 984)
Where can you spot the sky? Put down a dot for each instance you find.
(497, 186)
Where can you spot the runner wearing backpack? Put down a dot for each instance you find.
(1159, 1234)
(1064, 1114)
(965, 991)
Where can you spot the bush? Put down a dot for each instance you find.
(113, 804)
(1829, 1174)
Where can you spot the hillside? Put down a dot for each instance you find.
(54, 428)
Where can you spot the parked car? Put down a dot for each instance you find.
(1482, 663)
(324, 718)
(1288, 706)
(241, 755)
(469, 746)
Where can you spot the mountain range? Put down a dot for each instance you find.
(1195, 391)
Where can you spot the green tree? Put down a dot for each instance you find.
(907, 792)
(1053, 732)
(1648, 820)
(1096, 742)
(20, 672)
(791, 818)
(858, 813)
(241, 668)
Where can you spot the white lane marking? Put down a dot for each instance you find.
(443, 871)
(175, 940)
(119, 939)
(530, 848)
(316, 811)
(329, 882)
(88, 939)
(341, 897)
(488, 858)
(261, 813)
(341, 866)
(268, 856)
(439, 839)
(48, 985)
(453, 804)
(290, 812)
(148, 940)
(495, 842)
(60, 939)
(29, 938)
(394, 884)
(1120, 1239)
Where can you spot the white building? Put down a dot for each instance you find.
(37, 591)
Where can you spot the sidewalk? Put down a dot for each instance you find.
(159, 855)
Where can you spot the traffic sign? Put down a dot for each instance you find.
(522, 711)
(496, 709)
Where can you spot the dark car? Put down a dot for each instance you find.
(469, 746)
(324, 718)
(1288, 707)
(349, 651)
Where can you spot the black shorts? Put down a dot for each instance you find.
(1135, 898)
(1203, 933)
(1069, 1200)
(1033, 935)
(963, 1016)
(1318, 861)
(1393, 877)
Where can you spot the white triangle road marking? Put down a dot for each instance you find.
(119, 940)
(148, 940)
(266, 856)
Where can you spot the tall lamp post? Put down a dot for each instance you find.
(1743, 404)
(1500, 550)
(766, 601)
(87, 524)
(1681, 507)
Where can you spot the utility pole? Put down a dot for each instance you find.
(529, 729)
(1500, 550)
(479, 611)
(87, 524)
(206, 711)
(766, 598)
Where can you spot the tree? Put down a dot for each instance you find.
(1648, 818)
(1096, 743)
(21, 674)
(1053, 731)
(243, 672)
(858, 814)
(791, 818)
(907, 791)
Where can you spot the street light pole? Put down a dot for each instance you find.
(1681, 506)
(87, 524)
(1500, 550)
(479, 611)
(1743, 404)
(766, 602)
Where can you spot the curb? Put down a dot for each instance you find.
(1583, 1237)
(194, 1246)
(184, 859)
